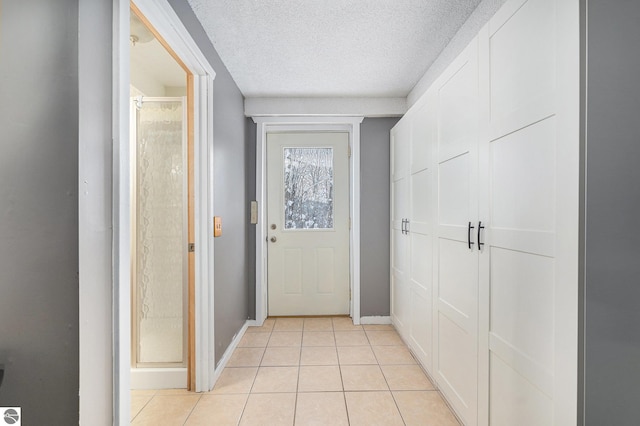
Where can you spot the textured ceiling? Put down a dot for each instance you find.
(330, 48)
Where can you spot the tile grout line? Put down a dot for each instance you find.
(246, 402)
(193, 408)
(295, 405)
(143, 407)
(390, 391)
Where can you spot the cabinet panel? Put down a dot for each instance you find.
(422, 137)
(400, 199)
(522, 303)
(458, 278)
(421, 340)
(458, 106)
(454, 191)
(421, 201)
(515, 401)
(421, 265)
(458, 368)
(400, 306)
(523, 178)
(522, 66)
(400, 146)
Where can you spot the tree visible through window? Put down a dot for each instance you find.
(308, 188)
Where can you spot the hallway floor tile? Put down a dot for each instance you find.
(307, 371)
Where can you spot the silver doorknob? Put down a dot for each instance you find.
(274, 239)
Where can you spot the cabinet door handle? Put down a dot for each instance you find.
(480, 243)
(402, 226)
(406, 226)
(469, 243)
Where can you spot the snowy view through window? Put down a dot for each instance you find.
(308, 188)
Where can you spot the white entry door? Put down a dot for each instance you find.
(308, 221)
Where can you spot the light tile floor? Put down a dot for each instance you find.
(307, 371)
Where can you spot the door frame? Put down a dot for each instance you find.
(168, 25)
(348, 124)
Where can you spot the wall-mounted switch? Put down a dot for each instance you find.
(217, 226)
(254, 212)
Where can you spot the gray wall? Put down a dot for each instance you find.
(39, 209)
(252, 128)
(374, 215)
(612, 338)
(231, 257)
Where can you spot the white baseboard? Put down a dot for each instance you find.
(375, 320)
(158, 378)
(227, 354)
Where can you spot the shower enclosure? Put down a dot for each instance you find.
(159, 261)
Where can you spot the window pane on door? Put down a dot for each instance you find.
(308, 188)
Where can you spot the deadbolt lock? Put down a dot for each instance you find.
(273, 226)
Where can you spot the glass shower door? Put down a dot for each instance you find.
(159, 282)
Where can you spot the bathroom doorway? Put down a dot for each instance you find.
(161, 179)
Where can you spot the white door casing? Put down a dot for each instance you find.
(268, 124)
(164, 19)
(308, 221)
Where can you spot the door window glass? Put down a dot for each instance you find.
(308, 188)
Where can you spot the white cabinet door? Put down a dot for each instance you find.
(529, 163)
(421, 234)
(400, 145)
(456, 250)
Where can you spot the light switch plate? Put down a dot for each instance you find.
(254, 212)
(217, 226)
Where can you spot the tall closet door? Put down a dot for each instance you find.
(421, 234)
(528, 167)
(400, 145)
(457, 255)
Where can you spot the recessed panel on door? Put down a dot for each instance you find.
(458, 278)
(514, 400)
(457, 364)
(454, 191)
(523, 178)
(421, 201)
(522, 66)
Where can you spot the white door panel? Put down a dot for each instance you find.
(457, 368)
(308, 216)
(400, 209)
(458, 277)
(457, 262)
(522, 65)
(515, 401)
(523, 178)
(454, 190)
(422, 136)
(524, 171)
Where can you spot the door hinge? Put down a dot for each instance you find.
(192, 247)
